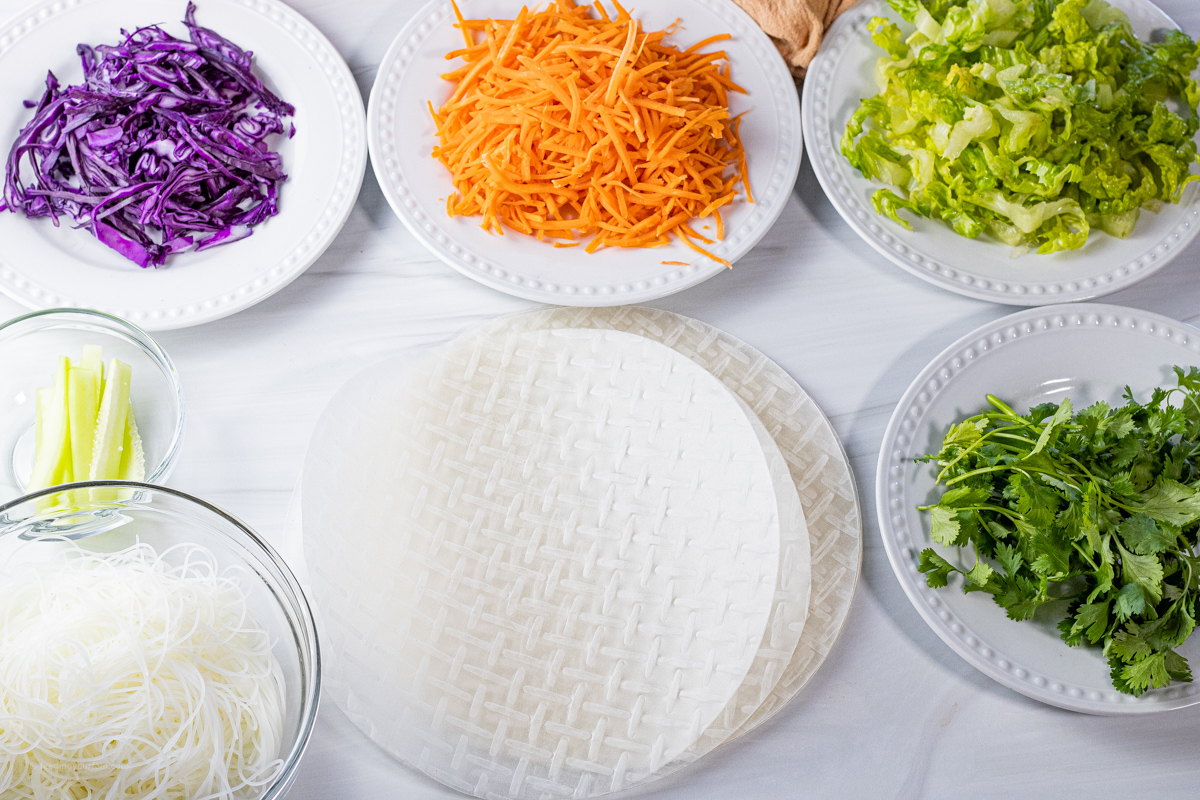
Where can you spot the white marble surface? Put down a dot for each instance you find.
(893, 713)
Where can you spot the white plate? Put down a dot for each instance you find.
(402, 137)
(1086, 352)
(843, 73)
(43, 266)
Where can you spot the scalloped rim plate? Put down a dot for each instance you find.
(842, 74)
(1088, 352)
(402, 135)
(42, 266)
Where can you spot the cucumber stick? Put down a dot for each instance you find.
(52, 462)
(110, 424)
(93, 359)
(85, 428)
(82, 395)
(133, 457)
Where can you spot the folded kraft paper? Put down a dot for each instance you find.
(796, 26)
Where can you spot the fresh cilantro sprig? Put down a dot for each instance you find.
(1100, 508)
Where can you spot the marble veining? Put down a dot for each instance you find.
(893, 713)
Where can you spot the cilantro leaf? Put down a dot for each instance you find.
(1116, 673)
(1085, 619)
(1009, 558)
(1177, 666)
(1188, 380)
(1020, 596)
(1128, 645)
(1145, 571)
(963, 434)
(937, 569)
(1170, 630)
(1063, 414)
(1089, 524)
(1104, 577)
(1054, 556)
(1131, 600)
(1093, 422)
(980, 574)
(945, 528)
(961, 496)
(1122, 484)
(1148, 672)
(1143, 535)
(1092, 620)
(1171, 502)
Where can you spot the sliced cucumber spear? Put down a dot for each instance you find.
(52, 462)
(85, 429)
(111, 423)
(82, 396)
(133, 457)
(93, 358)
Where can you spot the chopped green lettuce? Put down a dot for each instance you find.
(1031, 121)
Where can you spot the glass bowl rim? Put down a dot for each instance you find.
(311, 690)
(148, 345)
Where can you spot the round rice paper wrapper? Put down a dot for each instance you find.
(815, 458)
(544, 560)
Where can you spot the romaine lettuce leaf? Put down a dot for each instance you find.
(1031, 121)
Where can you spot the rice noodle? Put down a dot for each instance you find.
(123, 676)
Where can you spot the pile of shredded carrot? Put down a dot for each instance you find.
(567, 124)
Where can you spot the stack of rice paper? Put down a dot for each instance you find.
(574, 550)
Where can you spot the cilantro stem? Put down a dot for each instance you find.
(1086, 556)
(978, 443)
(1086, 471)
(1007, 435)
(1012, 468)
(1003, 407)
(981, 507)
(966, 451)
(1000, 432)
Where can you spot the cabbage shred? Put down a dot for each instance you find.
(1033, 121)
(163, 148)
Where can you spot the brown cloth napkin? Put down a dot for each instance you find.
(796, 26)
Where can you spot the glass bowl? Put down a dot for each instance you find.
(34, 526)
(30, 346)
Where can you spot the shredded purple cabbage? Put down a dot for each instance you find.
(162, 149)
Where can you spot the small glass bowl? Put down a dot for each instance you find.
(30, 346)
(32, 527)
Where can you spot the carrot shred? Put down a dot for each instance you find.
(572, 123)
